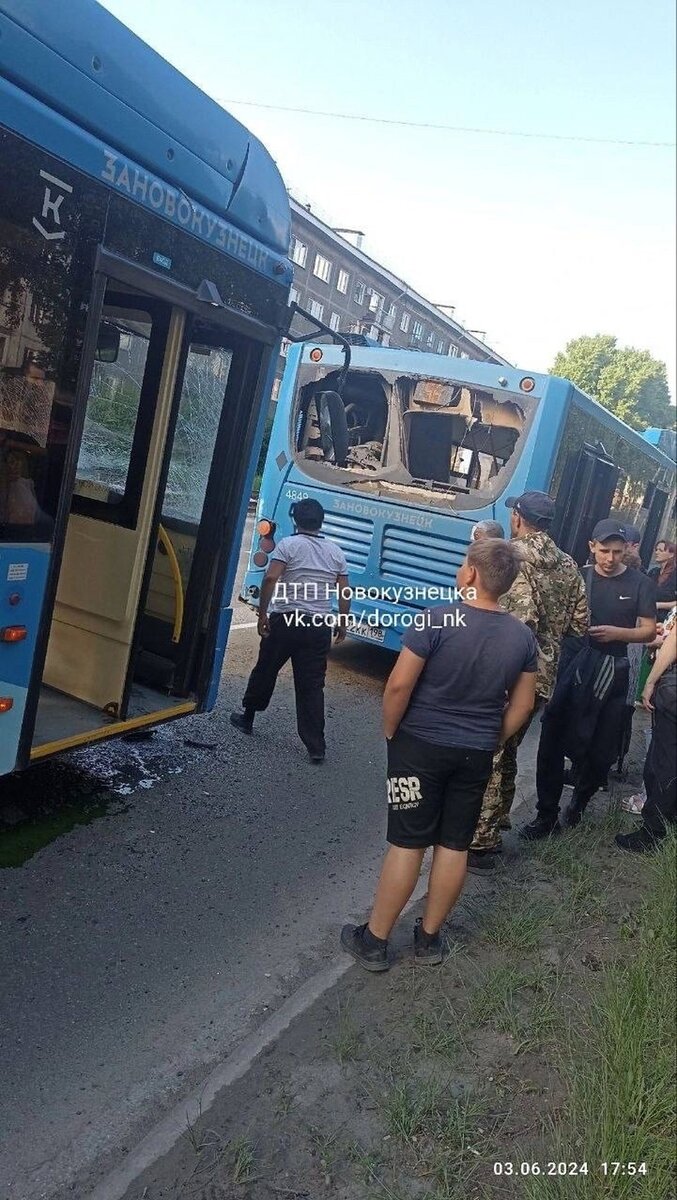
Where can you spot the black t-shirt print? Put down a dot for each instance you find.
(619, 601)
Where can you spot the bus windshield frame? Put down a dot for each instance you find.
(407, 430)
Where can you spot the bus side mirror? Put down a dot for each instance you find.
(333, 426)
(107, 343)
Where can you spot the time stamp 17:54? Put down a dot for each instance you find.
(606, 1169)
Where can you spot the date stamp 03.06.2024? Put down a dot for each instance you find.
(604, 1168)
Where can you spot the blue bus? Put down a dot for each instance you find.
(407, 451)
(144, 293)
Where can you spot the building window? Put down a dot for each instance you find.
(464, 354)
(285, 347)
(453, 351)
(276, 389)
(322, 268)
(334, 321)
(440, 346)
(417, 332)
(431, 339)
(375, 302)
(342, 282)
(299, 253)
(405, 322)
(391, 309)
(294, 296)
(374, 332)
(358, 295)
(316, 310)
(385, 339)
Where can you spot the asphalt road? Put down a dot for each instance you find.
(208, 883)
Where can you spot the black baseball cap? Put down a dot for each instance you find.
(605, 530)
(536, 507)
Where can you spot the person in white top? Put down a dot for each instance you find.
(305, 571)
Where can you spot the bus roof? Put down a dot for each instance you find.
(80, 61)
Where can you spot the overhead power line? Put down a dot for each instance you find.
(469, 129)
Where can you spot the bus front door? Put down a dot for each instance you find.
(119, 468)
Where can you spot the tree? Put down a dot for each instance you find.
(630, 383)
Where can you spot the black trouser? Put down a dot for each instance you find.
(592, 766)
(308, 647)
(660, 775)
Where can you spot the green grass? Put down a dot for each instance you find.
(519, 922)
(521, 1003)
(618, 1062)
(347, 1040)
(241, 1153)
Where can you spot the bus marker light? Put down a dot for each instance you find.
(266, 545)
(260, 559)
(14, 599)
(266, 528)
(13, 633)
(6, 703)
(527, 384)
(315, 355)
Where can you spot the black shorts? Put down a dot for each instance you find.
(435, 793)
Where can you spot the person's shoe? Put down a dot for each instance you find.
(640, 841)
(428, 947)
(573, 815)
(538, 829)
(243, 721)
(317, 759)
(634, 804)
(481, 862)
(369, 951)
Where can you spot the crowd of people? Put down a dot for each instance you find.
(531, 636)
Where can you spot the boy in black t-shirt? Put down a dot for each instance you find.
(623, 612)
(444, 716)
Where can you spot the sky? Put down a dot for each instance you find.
(533, 240)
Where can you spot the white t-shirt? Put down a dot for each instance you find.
(312, 566)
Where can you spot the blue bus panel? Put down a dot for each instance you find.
(404, 549)
(102, 143)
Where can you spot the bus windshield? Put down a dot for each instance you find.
(410, 436)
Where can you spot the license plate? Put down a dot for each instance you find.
(371, 633)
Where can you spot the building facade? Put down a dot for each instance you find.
(340, 285)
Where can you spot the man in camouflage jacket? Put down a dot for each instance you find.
(549, 596)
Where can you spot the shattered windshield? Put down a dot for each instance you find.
(391, 433)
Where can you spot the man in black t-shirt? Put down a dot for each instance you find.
(623, 612)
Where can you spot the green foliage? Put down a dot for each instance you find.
(630, 383)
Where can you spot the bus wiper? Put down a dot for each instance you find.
(337, 338)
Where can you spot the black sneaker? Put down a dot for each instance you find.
(370, 952)
(428, 948)
(317, 759)
(242, 721)
(481, 862)
(640, 841)
(538, 829)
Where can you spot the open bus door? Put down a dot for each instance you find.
(655, 501)
(584, 498)
(163, 409)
